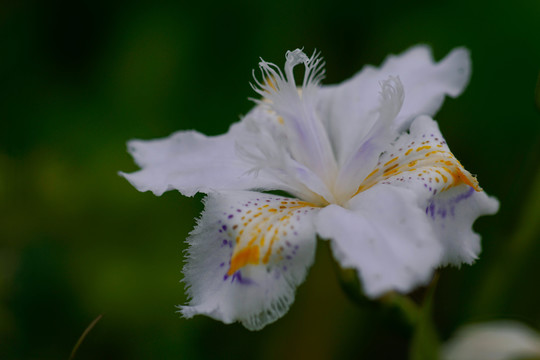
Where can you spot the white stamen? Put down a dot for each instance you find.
(293, 122)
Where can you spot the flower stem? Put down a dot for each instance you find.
(83, 336)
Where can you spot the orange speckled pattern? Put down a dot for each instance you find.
(420, 159)
(262, 231)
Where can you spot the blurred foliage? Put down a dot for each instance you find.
(81, 78)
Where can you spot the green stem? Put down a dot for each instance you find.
(424, 339)
(83, 336)
(409, 310)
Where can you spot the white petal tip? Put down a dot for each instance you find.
(458, 64)
(500, 340)
(296, 57)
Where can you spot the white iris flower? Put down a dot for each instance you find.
(495, 340)
(367, 169)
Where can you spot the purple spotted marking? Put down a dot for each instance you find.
(430, 210)
(464, 196)
(222, 265)
(442, 212)
(238, 277)
(448, 206)
(224, 227)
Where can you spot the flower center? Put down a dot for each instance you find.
(293, 141)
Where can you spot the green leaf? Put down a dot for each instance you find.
(425, 342)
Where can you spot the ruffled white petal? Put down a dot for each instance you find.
(450, 196)
(497, 340)
(265, 145)
(247, 255)
(426, 82)
(452, 214)
(385, 236)
(357, 166)
(191, 162)
(349, 108)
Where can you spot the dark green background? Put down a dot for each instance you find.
(79, 79)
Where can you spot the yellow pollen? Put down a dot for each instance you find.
(391, 161)
(247, 256)
(445, 179)
(257, 236)
(266, 257)
(391, 171)
(427, 147)
(252, 240)
(372, 173)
